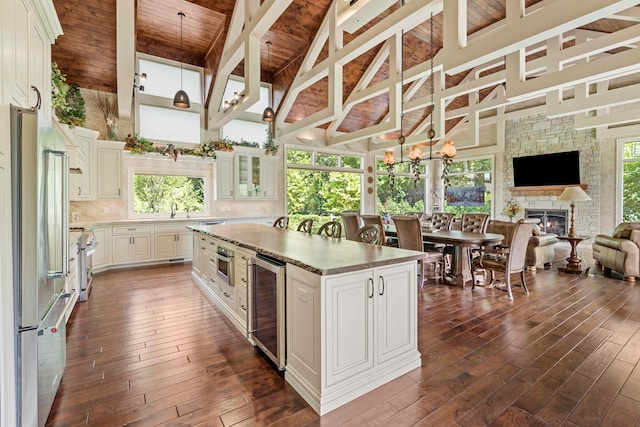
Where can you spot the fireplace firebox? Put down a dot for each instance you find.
(551, 220)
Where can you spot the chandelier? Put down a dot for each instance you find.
(448, 151)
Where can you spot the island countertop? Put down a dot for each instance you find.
(317, 254)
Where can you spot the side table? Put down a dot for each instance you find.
(573, 262)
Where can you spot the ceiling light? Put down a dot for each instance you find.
(181, 99)
(269, 115)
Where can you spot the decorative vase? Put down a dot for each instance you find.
(112, 131)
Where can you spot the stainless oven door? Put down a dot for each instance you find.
(225, 268)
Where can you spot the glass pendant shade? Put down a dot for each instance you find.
(389, 158)
(268, 115)
(181, 99)
(415, 153)
(448, 149)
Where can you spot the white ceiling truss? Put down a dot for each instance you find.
(570, 80)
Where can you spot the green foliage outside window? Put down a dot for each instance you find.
(631, 182)
(404, 196)
(156, 193)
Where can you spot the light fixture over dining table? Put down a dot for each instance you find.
(448, 151)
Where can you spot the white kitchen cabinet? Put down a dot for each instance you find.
(248, 176)
(82, 186)
(358, 304)
(29, 28)
(131, 244)
(173, 245)
(270, 165)
(100, 257)
(369, 319)
(241, 281)
(109, 169)
(224, 176)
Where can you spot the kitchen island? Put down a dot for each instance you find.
(351, 308)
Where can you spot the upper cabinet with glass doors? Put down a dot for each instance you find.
(248, 182)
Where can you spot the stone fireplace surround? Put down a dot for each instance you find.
(537, 134)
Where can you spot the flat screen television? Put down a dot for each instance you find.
(547, 169)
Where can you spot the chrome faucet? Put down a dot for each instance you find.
(174, 208)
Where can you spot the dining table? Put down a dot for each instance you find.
(461, 241)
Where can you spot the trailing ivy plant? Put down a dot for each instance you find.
(66, 101)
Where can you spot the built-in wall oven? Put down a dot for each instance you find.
(225, 265)
(267, 284)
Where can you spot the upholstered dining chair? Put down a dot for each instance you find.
(351, 221)
(441, 221)
(282, 222)
(330, 229)
(471, 223)
(375, 220)
(513, 259)
(306, 226)
(410, 237)
(371, 233)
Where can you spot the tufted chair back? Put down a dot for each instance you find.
(441, 221)
(475, 222)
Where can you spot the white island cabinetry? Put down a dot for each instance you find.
(370, 328)
(351, 308)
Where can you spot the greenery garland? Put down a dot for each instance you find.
(141, 145)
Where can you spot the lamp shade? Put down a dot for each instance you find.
(573, 194)
(415, 153)
(181, 100)
(389, 158)
(448, 149)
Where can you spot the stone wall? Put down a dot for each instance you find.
(537, 134)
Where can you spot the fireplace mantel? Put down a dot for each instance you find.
(541, 190)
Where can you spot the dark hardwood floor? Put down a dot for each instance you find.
(148, 349)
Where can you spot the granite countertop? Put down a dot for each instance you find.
(177, 220)
(317, 254)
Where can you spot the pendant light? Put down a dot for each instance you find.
(181, 99)
(269, 115)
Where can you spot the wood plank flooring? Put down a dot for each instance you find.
(148, 349)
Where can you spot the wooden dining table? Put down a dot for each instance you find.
(461, 241)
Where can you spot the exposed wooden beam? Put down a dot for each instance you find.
(125, 54)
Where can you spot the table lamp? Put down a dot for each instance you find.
(573, 194)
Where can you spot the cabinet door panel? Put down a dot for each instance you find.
(269, 177)
(184, 245)
(141, 247)
(395, 311)
(165, 245)
(101, 255)
(349, 326)
(21, 53)
(109, 167)
(224, 177)
(121, 249)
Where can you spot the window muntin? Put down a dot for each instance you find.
(406, 195)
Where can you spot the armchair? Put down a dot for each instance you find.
(619, 252)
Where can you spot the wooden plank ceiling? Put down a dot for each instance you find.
(86, 52)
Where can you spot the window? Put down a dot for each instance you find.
(249, 128)
(631, 180)
(405, 195)
(156, 194)
(156, 187)
(157, 118)
(470, 186)
(320, 185)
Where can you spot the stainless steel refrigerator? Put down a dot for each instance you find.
(39, 181)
